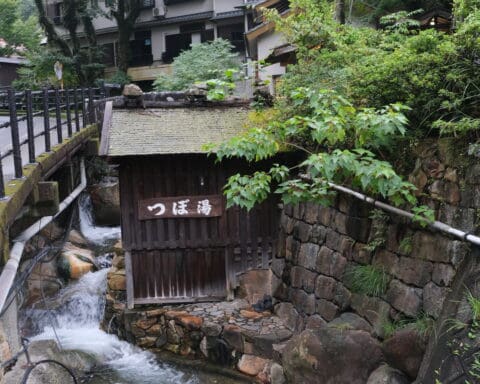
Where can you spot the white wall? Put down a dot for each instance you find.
(266, 43)
(226, 5)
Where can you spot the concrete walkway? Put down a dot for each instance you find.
(6, 142)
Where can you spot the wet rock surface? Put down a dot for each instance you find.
(328, 356)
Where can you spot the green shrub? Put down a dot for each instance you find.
(202, 62)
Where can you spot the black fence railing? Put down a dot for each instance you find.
(31, 122)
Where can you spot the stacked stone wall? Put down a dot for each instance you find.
(319, 247)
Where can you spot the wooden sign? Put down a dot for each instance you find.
(180, 207)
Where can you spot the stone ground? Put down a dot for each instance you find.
(237, 312)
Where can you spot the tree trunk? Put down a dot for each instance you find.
(50, 31)
(340, 11)
(125, 15)
(123, 59)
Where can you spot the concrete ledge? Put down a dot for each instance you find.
(18, 190)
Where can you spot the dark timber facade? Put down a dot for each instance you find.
(182, 244)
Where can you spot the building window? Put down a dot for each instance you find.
(141, 49)
(108, 54)
(148, 4)
(57, 13)
(233, 33)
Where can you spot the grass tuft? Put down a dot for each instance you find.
(367, 279)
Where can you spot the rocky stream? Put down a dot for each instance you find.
(66, 327)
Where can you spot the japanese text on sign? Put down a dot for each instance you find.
(181, 207)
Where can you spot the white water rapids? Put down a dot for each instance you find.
(73, 319)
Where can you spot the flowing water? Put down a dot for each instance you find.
(73, 317)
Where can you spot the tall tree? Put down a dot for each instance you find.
(340, 11)
(125, 13)
(75, 13)
(15, 30)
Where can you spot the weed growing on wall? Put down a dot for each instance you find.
(367, 279)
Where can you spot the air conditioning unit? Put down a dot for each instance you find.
(160, 10)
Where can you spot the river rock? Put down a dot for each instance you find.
(350, 321)
(331, 356)
(106, 202)
(77, 238)
(405, 350)
(50, 373)
(251, 365)
(44, 277)
(75, 262)
(387, 375)
(132, 90)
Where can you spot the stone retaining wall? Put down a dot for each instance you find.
(229, 334)
(320, 247)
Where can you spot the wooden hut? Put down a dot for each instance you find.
(181, 243)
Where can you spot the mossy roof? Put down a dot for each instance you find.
(138, 132)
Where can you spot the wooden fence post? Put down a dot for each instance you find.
(17, 154)
(58, 114)
(69, 116)
(46, 119)
(77, 118)
(30, 130)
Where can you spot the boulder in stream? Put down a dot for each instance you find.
(74, 262)
(106, 202)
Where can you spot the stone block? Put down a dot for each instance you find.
(343, 297)
(331, 263)
(303, 302)
(278, 266)
(443, 274)
(251, 365)
(307, 256)
(315, 321)
(298, 211)
(457, 251)
(326, 309)
(346, 247)
(292, 249)
(373, 309)
(262, 344)
(318, 234)
(340, 222)
(289, 316)
(359, 228)
(427, 246)
(302, 231)
(279, 289)
(404, 298)
(288, 209)
(211, 329)
(333, 239)
(254, 284)
(457, 217)
(386, 260)
(325, 287)
(277, 375)
(414, 271)
(232, 334)
(325, 215)
(350, 321)
(433, 298)
(445, 191)
(311, 213)
(361, 254)
(303, 278)
(472, 175)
